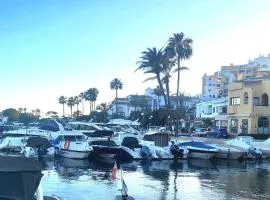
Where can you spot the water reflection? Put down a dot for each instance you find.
(184, 179)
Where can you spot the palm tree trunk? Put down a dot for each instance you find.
(116, 108)
(71, 111)
(82, 107)
(178, 82)
(63, 110)
(162, 90)
(77, 108)
(177, 95)
(89, 107)
(168, 93)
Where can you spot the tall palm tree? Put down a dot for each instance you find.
(77, 101)
(152, 63)
(103, 107)
(158, 93)
(70, 103)
(179, 47)
(95, 93)
(116, 85)
(91, 96)
(62, 100)
(82, 98)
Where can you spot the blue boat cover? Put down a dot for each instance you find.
(197, 145)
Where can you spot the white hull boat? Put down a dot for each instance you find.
(199, 150)
(73, 154)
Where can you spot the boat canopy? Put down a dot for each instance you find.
(19, 185)
(124, 122)
(98, 133)
(18, 164)
(38, 142)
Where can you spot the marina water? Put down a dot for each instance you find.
(158, 180)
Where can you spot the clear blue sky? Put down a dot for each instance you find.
(52, 48)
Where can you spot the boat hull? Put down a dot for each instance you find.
(230, 156)
(73, 154)
(201, 154)
(106, 152)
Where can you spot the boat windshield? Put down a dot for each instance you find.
(74, 138)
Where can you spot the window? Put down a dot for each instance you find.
(264, 100)
(214, 109)
(210, 84)
(214, 96)
(235, 101)
(210, 95)
(263, 125)
(218, 85)
(256, 101)
(245, 98)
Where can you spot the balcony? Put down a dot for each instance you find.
(233, 109)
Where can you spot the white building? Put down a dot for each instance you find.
(215, 109)
(211, 86)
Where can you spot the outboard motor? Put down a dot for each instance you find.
(145, 152)
(175, 151)
(257, 153)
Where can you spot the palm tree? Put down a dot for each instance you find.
(103, 107)
(62, 100)
(70, 103)
(116, 85)
(91, 96)
(158, 93)
(77, 101)
(152, 63)
(95, 93)
(180, 48)
(82, 98)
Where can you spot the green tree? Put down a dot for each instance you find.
(103, 108)
(179, 48)
(91, 96)
(70, 103)
(82, 98)
(152, 62)
(158, 93)
(11, 113)
(116, 85)
(77, 101)
(62, 100)
(52, 114)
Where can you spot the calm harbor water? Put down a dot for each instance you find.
(158, 180)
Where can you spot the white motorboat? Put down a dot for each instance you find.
(28, 145)
(226, 151)
(199, 150)
(252, 152)
(99, 138)
(159, 148)
(263, 146)
(72, 145)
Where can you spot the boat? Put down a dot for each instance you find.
(99, 138)
(30, 146)
(199, 150)
(226, 151)
(157, 145)
(72, 145)
(246, 143)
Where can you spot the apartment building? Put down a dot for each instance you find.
(249, 110)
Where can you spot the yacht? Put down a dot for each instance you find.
(72, 145)
(100, 139)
